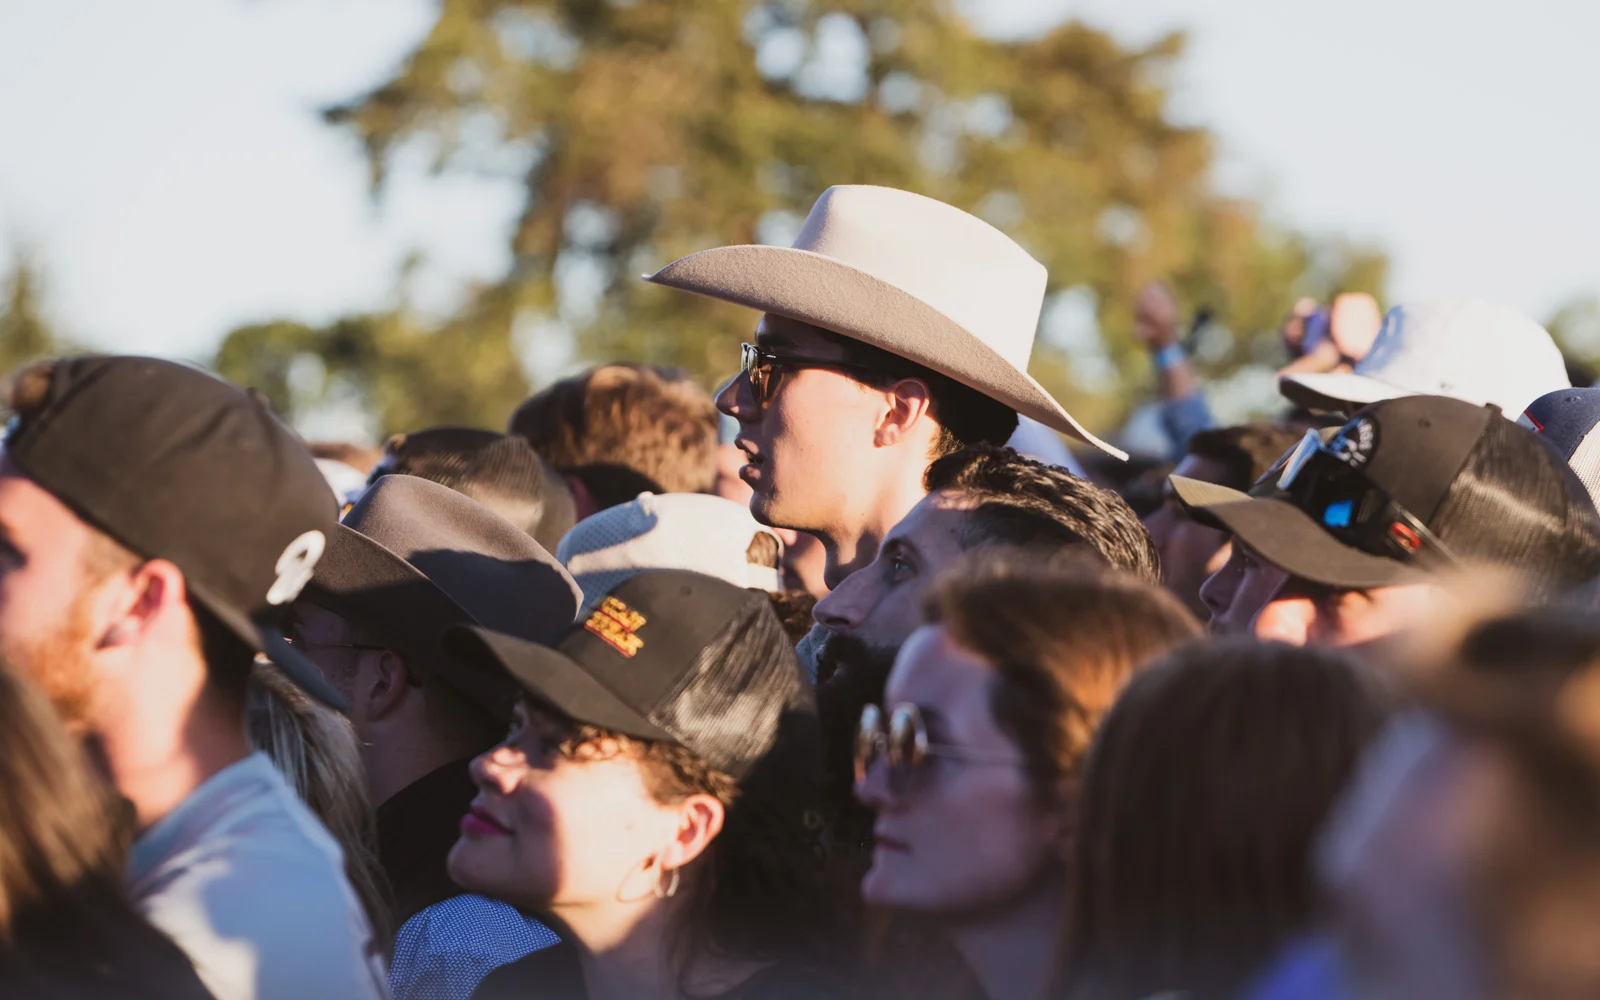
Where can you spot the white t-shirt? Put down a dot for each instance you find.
(248, 883)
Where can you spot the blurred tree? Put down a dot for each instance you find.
(25, 334)
(648, 129)
(404, 374)
(1576, 329)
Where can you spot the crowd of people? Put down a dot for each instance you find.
(847, 681)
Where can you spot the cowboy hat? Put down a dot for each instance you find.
(904, 273)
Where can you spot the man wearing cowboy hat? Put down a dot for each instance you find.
(896, 330)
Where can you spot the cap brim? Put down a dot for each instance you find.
(1197, 495)
(552, 678)
(1288, 538)
(1337, 390)
(270, 641)
(817, 289)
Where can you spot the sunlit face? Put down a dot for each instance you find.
(965, 836)
(1242, 587)
(549, 830)
(53, 613)
(1190, 551)
(1303, 613)
(882, 604)
(1397, 859)
(810, 450)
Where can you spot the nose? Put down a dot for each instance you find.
(496, 770)
(1220, 588)
(845, 608)
(737, 399)
(872, 788)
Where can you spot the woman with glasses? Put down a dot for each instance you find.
(972, 762)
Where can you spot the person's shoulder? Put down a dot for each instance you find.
(472, 924)
(550, 974)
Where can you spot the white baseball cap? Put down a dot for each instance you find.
(693, 531)
(1471, 349)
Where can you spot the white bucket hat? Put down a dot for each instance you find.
(693, 531)
(913, 276)
(1471, 349)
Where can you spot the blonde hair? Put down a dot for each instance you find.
(316, 751)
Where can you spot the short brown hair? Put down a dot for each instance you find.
(625, 429)
(1245, 451)
(1203, 795)
(1063, 640)
(965, 416)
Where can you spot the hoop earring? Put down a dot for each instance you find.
(671, 889)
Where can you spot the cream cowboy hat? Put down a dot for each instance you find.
(908, 274)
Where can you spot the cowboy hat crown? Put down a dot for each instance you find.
(905, 273)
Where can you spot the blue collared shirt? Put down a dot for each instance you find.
(444, 951)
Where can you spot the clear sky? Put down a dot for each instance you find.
(164, 159)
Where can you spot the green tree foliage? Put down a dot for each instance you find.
(649, 129)
(25, 334)
(1576, 328)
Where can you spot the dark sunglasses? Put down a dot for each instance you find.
(1320, 478)
(763, 366)
(904, 746)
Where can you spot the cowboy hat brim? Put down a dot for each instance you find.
(820, 290)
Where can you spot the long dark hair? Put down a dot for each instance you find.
(66, 927)
(1202, 796)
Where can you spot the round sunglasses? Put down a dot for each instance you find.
(763, 367)
(904, 746)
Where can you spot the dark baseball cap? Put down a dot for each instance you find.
(1359, 510)
(645, 664)
(177, 464)
(1566, 419)
(413, 558)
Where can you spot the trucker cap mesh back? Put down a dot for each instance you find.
(728, 707)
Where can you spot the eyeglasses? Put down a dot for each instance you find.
(304, 643)
(905, 746)
(1325, 479)
(762, 366)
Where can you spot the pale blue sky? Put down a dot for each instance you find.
(165, 160)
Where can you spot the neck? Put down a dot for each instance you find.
(395, 758)
(623, 950)
(1012, 951)
(853, 543)
(163, 731)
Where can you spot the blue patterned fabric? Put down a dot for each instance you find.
(444, 951)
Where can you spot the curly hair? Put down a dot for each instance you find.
(757, 892)
(624, 429)
(965, 416)
(1020, 502)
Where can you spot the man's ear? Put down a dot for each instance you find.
(152, 593)
(908, 403)
(700, 819)
(384, 687)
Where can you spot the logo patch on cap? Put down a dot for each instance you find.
(295, 567)
(1354, 443)
(616, 623)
